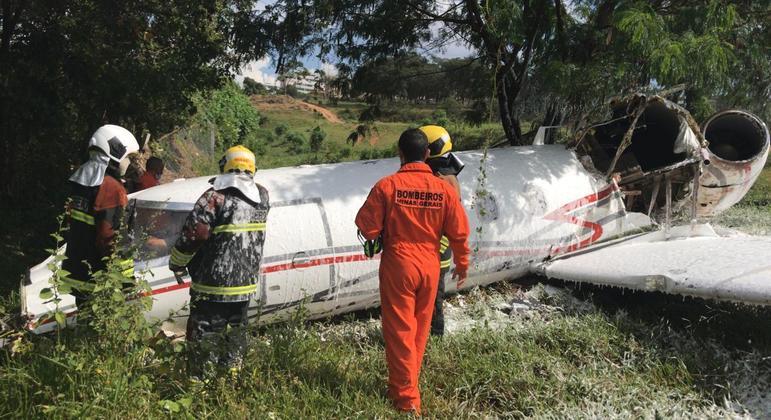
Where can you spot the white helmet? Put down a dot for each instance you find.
(115, 141)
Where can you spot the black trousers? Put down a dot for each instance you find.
(216, 335)
(437, 321)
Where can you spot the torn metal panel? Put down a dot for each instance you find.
(646, 139)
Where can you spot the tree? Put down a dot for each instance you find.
(253, 87)
(317, 138)
(230, 113)
(612, 45)
(290, 74)
(67, 67)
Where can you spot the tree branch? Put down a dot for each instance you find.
(439, 18)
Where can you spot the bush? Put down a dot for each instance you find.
(292, 91)
(366, 154)
(281, 129)
(296, 142)
(259, 149)
(317, 138)
(469, 138)
(331, 153)
(452, 107)
(347, 114)
(229, 111)
(479, 112)
(369, 114)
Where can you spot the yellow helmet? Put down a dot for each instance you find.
(237, 158)
(439, 141)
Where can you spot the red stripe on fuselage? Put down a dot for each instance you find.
(561, 215)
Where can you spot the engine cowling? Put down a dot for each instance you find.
(737, 152)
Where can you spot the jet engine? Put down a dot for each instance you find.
(737, 151)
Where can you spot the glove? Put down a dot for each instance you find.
(460, 274)
(179, 272)
(371, 247)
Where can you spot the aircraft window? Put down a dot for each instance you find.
(154, 231)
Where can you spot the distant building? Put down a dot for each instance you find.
(304, 84)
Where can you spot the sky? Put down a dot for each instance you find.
(263, 70)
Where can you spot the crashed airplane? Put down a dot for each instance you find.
(601, 210)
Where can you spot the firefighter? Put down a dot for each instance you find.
(95, 209)
(410, 210)
(447, 167)
(152, 175)
(221, 247)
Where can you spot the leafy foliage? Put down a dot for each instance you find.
(66, 68)
(317, 138)
(229, 111)
(253, 87)
(566, 60)
(296, 142)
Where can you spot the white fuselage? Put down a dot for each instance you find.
(524, 205)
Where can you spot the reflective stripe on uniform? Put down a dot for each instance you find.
(244, 227)
(224, 290)
(443, 244)
(79, 285)
(180, 258)
(445, 264)
(82, 217)
(127, 267)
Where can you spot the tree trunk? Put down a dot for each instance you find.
(554, 116)
(506, 101)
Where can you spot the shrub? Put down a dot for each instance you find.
(452, 107)
(281, 129)
(365, 154)
(317, 138)
(369, 114)
(229, 111)
(296, 142)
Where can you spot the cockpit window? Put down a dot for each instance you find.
(154, 231)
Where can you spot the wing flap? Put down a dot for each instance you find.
(736, 268)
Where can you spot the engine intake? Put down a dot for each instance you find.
(738, 149)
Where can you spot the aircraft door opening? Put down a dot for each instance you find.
(297, 266)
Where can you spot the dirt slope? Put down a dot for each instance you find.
(283, 103)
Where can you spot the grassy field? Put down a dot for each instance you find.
(539, 350)
(560, 356)
(380, 142)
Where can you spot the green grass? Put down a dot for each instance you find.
(556, 360)
(752, 214)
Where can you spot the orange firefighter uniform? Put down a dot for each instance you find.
(411, 209)
(147, 180)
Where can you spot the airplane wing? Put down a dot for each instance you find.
(694, 261)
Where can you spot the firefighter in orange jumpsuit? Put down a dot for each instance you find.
(411, 209)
